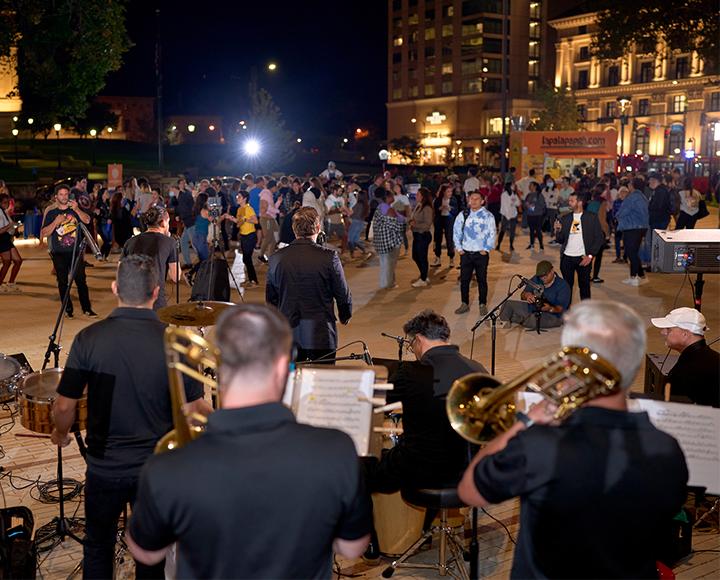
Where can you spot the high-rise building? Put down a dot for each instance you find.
(445, 75)
(663, 106)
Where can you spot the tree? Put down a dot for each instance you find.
(98, 116)
(559, 111)
(685, 25)
(406, 147)
(266, 124)
(65, 50)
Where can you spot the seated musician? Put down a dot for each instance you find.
(257, 495)
(121, 360)
(429, 453)
(599, 491)
(696, 374)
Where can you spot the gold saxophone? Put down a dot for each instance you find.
(480, 407)
(185, 353)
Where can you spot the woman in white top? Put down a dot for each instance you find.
(313, 197)
(509, 202)
(9, 256)
(689, 206)
(552, 197)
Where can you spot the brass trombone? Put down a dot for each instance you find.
(185, 353)
(480, 407)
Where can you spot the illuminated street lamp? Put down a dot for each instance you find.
(272, 67)
(191, 128)
(15, 119)
(31, 121)
(413, 120)
(624, 104)
(15, 133)
(384, 155)
(57, 127)
(94, 133)
(299, 140)
(211, 128)
(109, 129)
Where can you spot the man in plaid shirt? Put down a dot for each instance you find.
(387, 237)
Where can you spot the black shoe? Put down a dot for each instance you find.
(90, 314)
(263, 259)
(598, 280)
(69, 315)
(530, 247)
(372, 554)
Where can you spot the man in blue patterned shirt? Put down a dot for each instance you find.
(474, 236)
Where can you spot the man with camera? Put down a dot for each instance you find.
(547, 295)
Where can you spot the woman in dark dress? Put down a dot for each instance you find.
(121, 218)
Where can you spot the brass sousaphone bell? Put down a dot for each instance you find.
(480, 407)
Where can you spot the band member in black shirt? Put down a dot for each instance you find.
(60, 225)
(156, 242)
(577, 481)
(121, 362)
(257, 495)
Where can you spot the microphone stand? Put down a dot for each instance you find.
(351, 356)
(493, 316)
(177, 270)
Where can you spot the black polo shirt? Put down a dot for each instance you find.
(256, 496)
(696, 374)
(598, 494)
(122, 361)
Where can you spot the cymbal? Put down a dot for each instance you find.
(193, 313)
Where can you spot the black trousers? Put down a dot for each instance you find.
(477, 263)
(597, 262)
(62, 262)
(444, 227)
(420, 246)
(632, 239)
(508, 225)
(569, 265)
(247, 246)
(535, 225)
(105, 499)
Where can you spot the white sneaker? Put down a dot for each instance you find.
(634, 281)
(628, 280)
(419, 283)
(436, 262)
(12, 288)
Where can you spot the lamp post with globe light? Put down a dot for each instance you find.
(57, 127)
(15, 133)
(94, 134)
(624, 104)
(384, 155)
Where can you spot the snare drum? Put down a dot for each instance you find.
(35, 398)
(11, 373)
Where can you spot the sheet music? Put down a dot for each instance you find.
(334, 397)
(697, 430)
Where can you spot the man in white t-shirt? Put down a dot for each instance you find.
(335, 209)
(331, 172)
(472, 183)
(580, 237)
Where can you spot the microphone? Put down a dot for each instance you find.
(91, 242)
(532, 284)
(366, 355)
(399, 339)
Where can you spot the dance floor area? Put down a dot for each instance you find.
(29, 462)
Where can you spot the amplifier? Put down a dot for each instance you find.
(657, 368)
(678, 251)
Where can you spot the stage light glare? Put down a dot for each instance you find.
(251, 147)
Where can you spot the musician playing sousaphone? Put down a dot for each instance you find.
(121, 361)
(598, 491)
(429, 453)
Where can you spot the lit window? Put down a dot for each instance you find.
(679, 104)
(397, 41)
(429, 33)
(495, 126)
(447, 30)
(414, 91)
(397, 94)
(429, 90)
(447, 68)
(413, 19)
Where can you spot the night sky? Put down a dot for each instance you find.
(331, 59)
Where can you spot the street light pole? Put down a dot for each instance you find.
(15, 135)
(624, 102)
(57, 127)
(93, 133)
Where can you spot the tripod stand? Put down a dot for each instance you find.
(211, 280)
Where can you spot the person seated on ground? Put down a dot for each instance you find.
(696, 374)
(550, 296)
(430, 453)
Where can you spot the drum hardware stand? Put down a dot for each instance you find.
(493, 316)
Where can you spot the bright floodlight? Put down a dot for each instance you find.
(251, 147)
(272, 66)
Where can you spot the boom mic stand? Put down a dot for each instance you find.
(401, 341)
(493, 316)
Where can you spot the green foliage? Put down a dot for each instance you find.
(406, 147)
(266, 124)
(65, 50)
(685, 25)
(559, 111)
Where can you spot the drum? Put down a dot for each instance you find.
(10, 374)
(35, 400)
(398, 524)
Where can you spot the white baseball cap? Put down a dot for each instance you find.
(686, 318)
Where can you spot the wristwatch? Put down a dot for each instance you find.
(524, 419)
